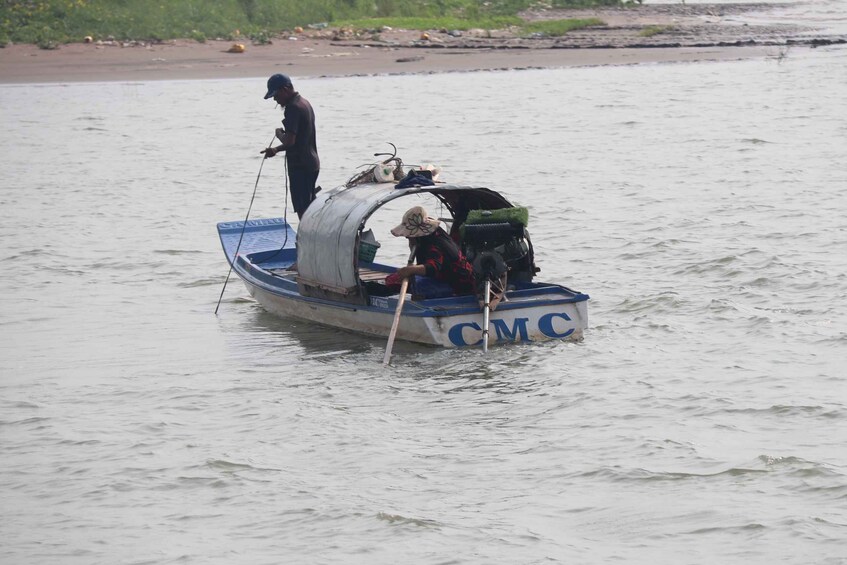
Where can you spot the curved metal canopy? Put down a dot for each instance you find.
(328, 235)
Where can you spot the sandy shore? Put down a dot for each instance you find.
(688, 33)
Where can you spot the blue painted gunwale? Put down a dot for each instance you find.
(431, 308)
(263, 239)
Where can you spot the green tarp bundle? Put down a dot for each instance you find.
(514, 215)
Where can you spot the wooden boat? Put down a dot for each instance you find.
(336, 283)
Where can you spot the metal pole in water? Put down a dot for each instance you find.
(486, 314)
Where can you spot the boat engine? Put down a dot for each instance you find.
(496, 244)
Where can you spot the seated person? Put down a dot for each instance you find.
(436, 254)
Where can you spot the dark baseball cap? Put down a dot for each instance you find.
(276, 82)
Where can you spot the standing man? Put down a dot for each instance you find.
(298, 141)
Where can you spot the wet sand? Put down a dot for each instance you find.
(688, 33)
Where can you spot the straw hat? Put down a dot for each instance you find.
(416, 223)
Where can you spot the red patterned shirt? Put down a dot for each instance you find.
(458, 272)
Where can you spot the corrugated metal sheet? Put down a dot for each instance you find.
(327, 238)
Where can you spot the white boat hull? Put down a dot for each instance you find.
(263, 254)
(525, 324)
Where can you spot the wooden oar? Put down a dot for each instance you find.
(403, 286)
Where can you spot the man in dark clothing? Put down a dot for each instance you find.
(298, 141)
(436, 254)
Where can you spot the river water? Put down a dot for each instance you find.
(702, 420)
(828, 16)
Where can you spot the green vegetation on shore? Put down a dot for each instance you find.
(431, 22)
(49, 23)
(550, 28)
(650, 31)
(555, 28)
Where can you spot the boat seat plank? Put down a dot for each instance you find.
(371, 275)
